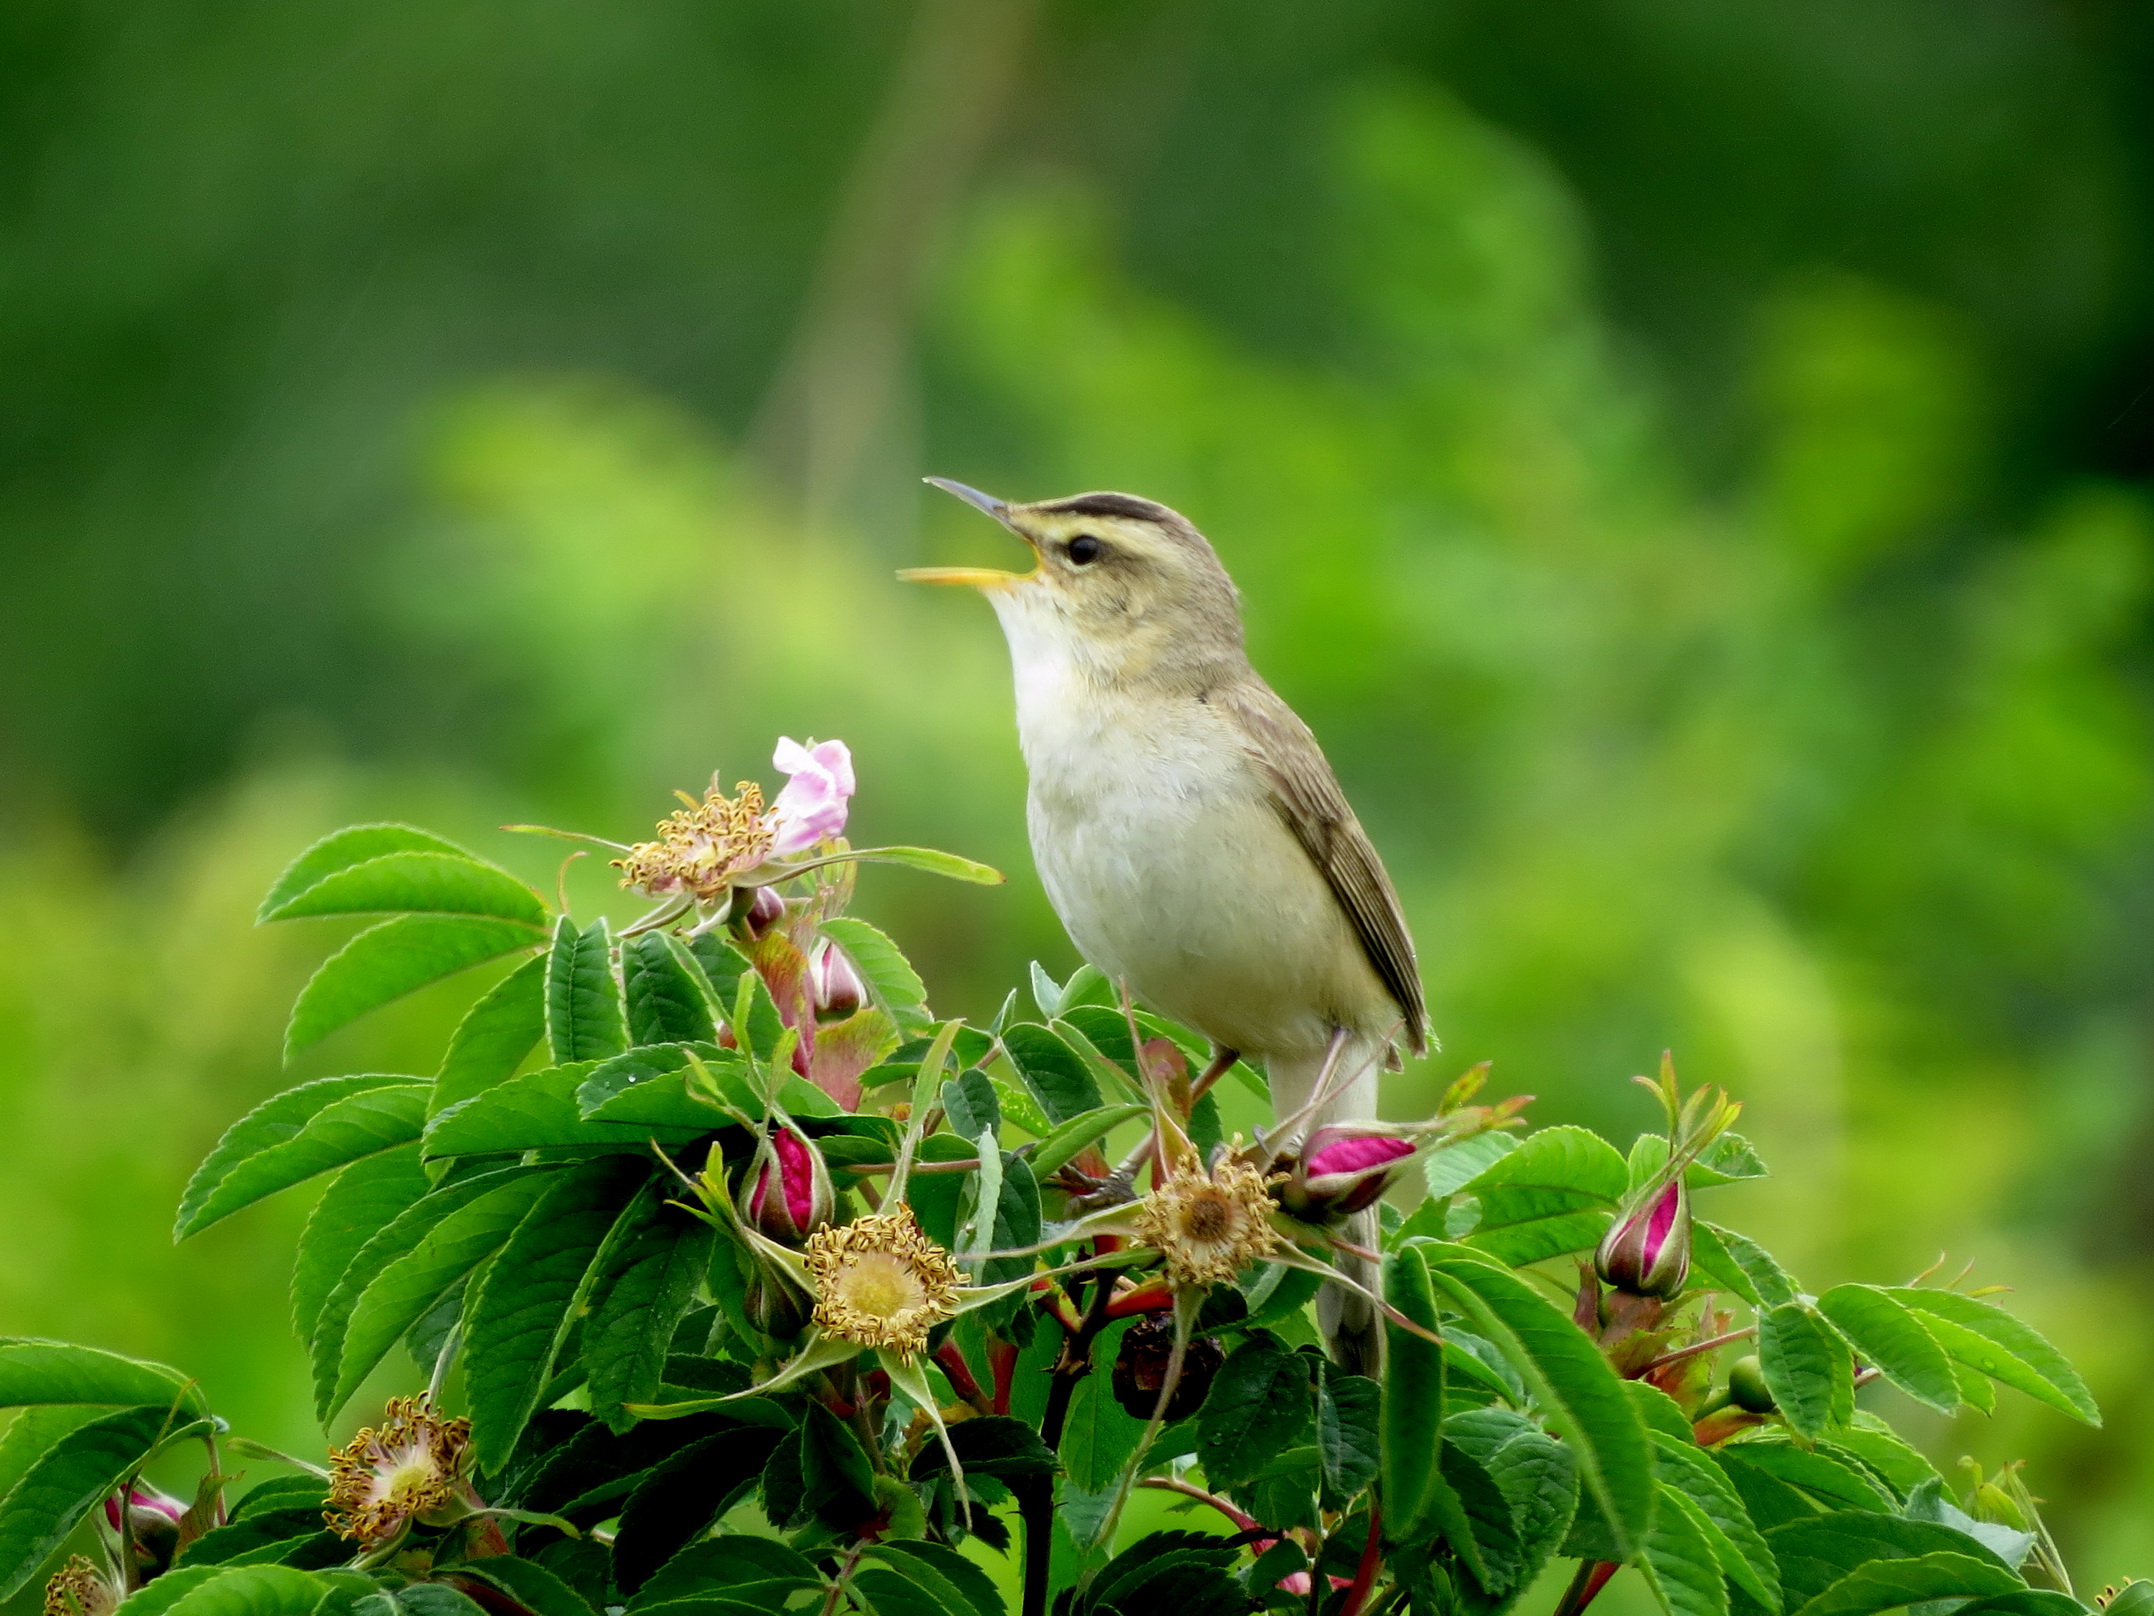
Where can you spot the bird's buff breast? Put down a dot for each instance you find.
(1161, 852)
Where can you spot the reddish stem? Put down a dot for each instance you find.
(1002, 1364)
(952, 1359)
(1372, 1561)
(1153, 1298)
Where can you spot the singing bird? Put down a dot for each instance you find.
(1189, 832)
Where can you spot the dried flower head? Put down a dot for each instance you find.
(881, 1282)
(1210, 1226)
(410, 1468)
(80, 1589)
(703, 846)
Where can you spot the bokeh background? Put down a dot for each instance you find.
(1687, 458)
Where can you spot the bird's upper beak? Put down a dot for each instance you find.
(976, 577)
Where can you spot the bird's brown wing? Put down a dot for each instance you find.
(1307, 796)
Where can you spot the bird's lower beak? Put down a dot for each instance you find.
(969, 577)
(975, 577)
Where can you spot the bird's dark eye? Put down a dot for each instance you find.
(1084, 549)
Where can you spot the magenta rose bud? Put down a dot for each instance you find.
(1342, 1170)
(791, 1195)
(835, 985)
(1648, 1251)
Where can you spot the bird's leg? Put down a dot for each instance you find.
(1321, 1092)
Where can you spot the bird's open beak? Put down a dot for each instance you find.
(974, 577)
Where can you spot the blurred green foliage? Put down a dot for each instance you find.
(1687, 461)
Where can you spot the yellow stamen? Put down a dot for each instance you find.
(703, 846)
(1209, 1227)
(410, 1468)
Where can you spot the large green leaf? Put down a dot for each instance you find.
(1537, 1475)
(890, 977)
(495, 1035)
(359, 1203)
(1737, 1263)
(531, 1585)
(737, 1562)
(668, 1000)
(299, 1134)
(726, 969)
(1821, 1480)
(1737, 1544)
(1807, 1368)
(1054, 1073)
(392, 959)
(1890, 1584)
(1413, 1410)
(34, 1371)
(960, 1587)
(1678, 1560)
(422, 882)
(1349, 1430)
(526, 1301)
(584, 1019)
(650, 1087)
(537, 1111)
(1815, 1553)
(1551, 1195)
(1098, 1436)
(251, 1590)
(1892, 1336)
(340, 850)
(2007, 1349)
(1258, 1407)
(1063, 1144)
(406, 1289)
(1567, 1376)
(67, 1480)
(932, 861)
(644, 1281)
(156, 1597)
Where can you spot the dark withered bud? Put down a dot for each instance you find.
(1140, 1369)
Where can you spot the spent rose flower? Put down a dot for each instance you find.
(409, 1468)
(80, 1588)
(1343, 1169)
(812, 807)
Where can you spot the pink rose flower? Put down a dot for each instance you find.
(812, 807)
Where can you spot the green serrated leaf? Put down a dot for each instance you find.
(895, 985)
(930, 860)
(68, 1479)
(423, 882)
(539, 1111)
(1892, 1336)
(253, 1590)
(1823, 1481)
(1450, 1167)
(1097, 1435)
(298, 1135)
(1258, 1407)
(1537, 1475)
(355, 844)
(1765, 1282)
(397, 957)
(34, 1371)
(531, 1585)
(584, 1019)
(1055, 1074)
(1740, 1548)
(2005, 1348)
(359, 1203)
(1552, 1195)
(968, 1101)
(526, 1301)
(960, 1585)
(644, 1281)
(1678, 1560)
(1567, 1376)
(1349, 1437)
(1065, 1142)
(733, 1561)
(495, 1036)
(403, 1291)
(1807, 1369)
(665, 992)
(1890, 1584)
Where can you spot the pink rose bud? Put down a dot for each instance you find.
(792, 1195)
(758, 909)
(812, 807)
(1648, 1251)
(835, 984)
(1343, 1169)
